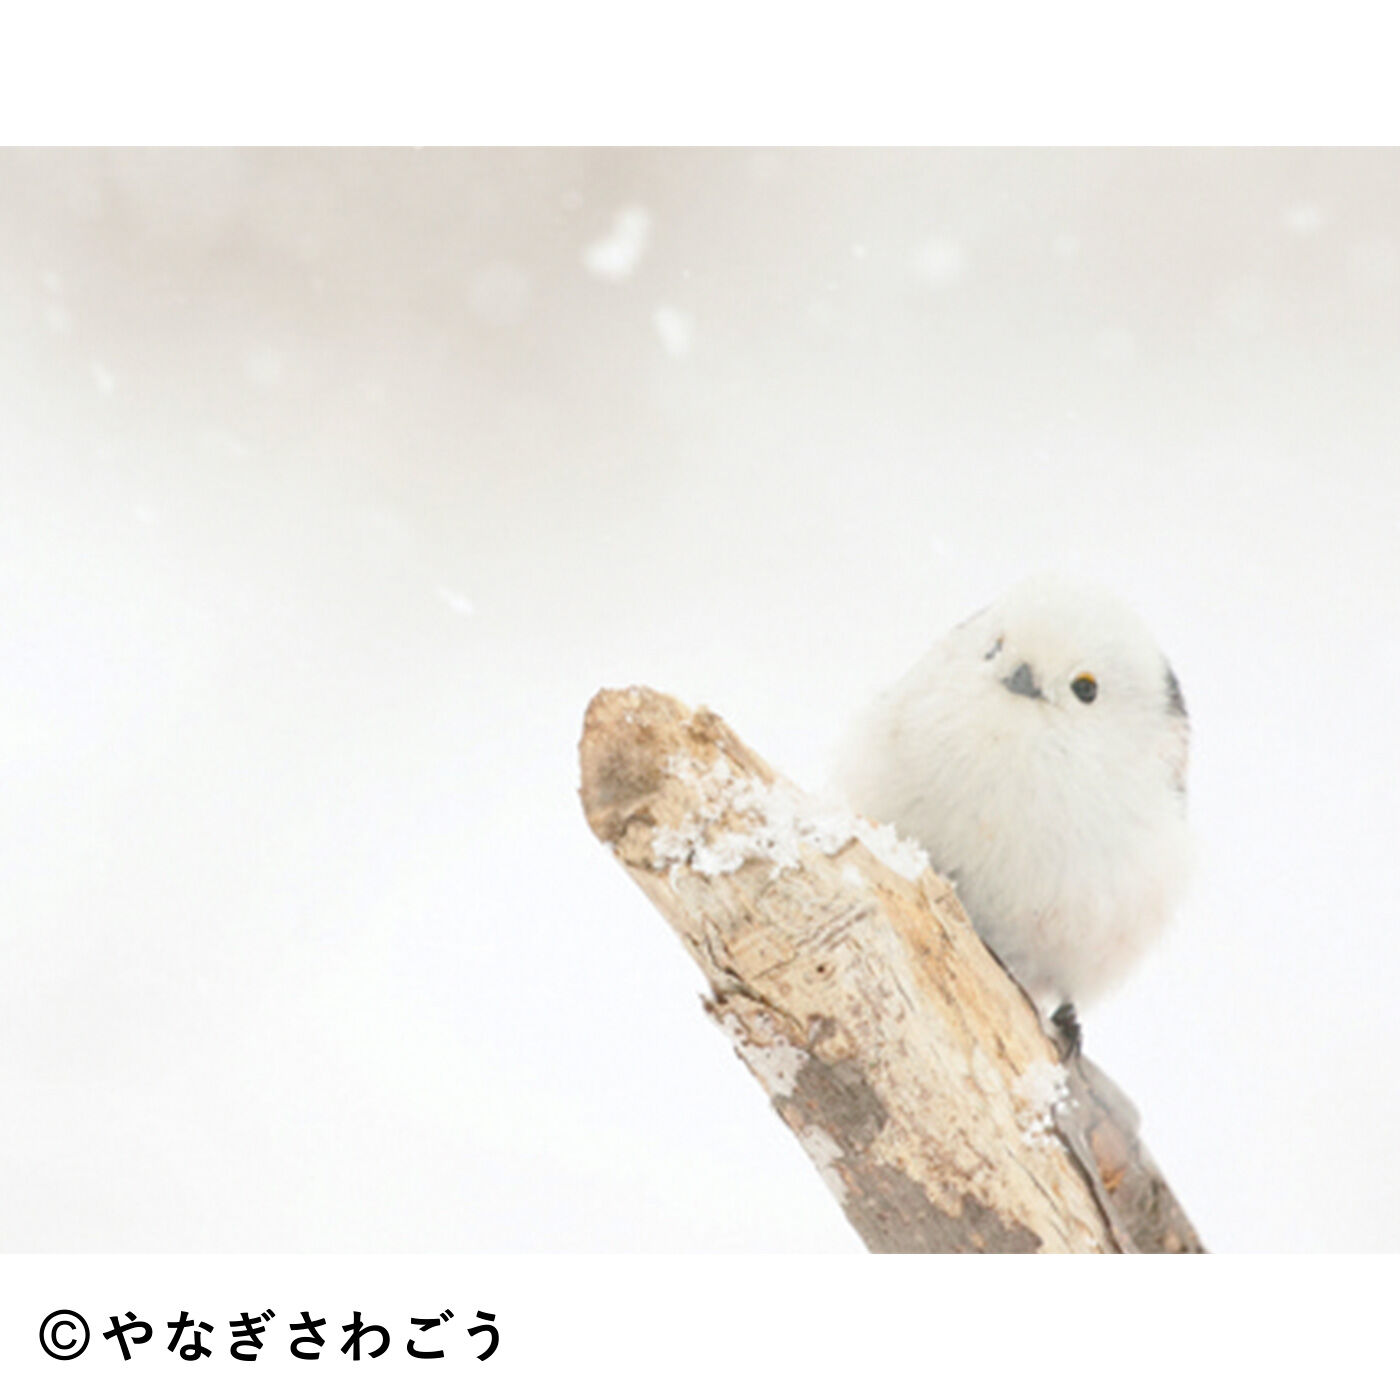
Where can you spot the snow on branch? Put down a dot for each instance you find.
(912, 1069)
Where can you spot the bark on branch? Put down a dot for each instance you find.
(910, 1066)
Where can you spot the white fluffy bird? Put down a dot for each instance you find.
(1038, 753)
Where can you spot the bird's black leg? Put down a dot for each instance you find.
(1066, 1023)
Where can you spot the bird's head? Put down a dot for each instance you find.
(1067, 657)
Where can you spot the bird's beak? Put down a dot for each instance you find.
(1022, 682)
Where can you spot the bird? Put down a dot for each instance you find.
(1038, 753)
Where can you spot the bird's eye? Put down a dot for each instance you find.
(1085, 687)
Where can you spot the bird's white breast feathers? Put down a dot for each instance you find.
(1060, 820)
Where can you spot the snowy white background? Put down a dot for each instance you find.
(332, 484)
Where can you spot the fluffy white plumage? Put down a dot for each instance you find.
(1038, 753)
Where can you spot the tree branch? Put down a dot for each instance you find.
(910, 1066)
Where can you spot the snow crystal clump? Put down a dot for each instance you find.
(1304, 220)
(776, 820)
(940, 262)
(458, 602)
(903, 856)
(1042, 1089)
(675, 329)
(615, 256)
(775, 1065)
